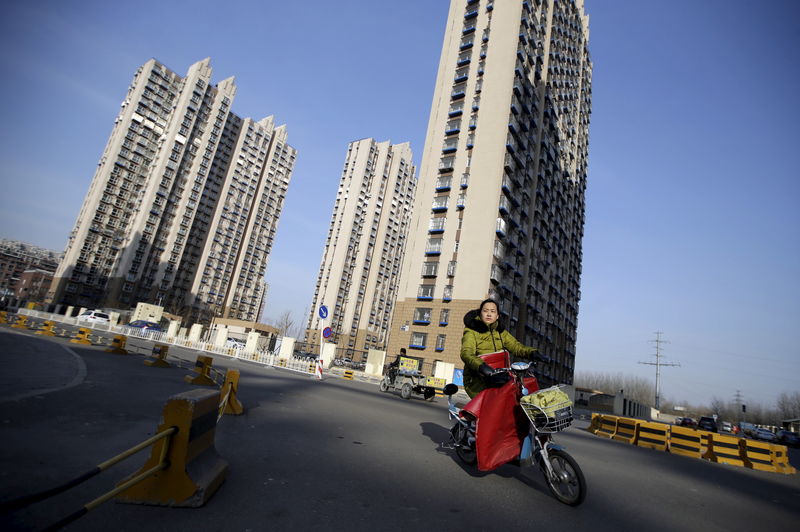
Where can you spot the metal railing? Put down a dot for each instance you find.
(163, 463)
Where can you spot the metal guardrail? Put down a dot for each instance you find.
(27, 500)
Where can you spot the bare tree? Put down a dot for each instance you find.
(285, 324)
(718, 406)
(636, 388)
(789, 405)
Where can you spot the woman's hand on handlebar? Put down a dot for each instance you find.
(493, 377)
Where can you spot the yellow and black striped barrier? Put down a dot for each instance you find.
(194, 470)
(686, 441)
(203, 369)
(627, 430)
(605, 426)
(82, 337)
(653, 435)
(21, 323)
(47, 328)
(727, 450)
(348, 374)
(694, 443)
(158, 358)
(118, 345)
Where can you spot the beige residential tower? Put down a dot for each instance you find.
(184, 203)
(365, 245)
(499, 207)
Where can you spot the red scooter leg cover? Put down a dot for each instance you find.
(501, 424)
(497, 436)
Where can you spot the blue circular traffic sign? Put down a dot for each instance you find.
(327, 332)
(323, 312)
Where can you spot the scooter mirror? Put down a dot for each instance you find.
(450, 389)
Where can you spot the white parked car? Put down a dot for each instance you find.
(765, 435)
(234, 343)
(94, 316)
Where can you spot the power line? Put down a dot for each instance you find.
(658, 341)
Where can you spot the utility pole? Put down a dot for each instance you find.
(658, 341)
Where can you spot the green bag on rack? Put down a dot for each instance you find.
(549, 400)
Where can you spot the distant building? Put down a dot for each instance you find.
(33, 285)
(499, 207)
(184, 204)
(366, 242)
(18, 257)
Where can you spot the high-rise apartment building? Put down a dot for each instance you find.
(364, 249)
(500, 199)
(184, 203)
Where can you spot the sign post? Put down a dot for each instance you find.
(323, 314)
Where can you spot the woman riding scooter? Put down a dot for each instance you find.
(500, 422)
(484, 334)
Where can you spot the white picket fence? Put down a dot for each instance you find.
(262, 356)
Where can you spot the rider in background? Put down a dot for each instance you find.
(483, 334)
(394, 366)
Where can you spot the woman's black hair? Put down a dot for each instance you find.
(490, 300)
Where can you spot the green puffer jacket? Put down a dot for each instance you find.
(481, 339)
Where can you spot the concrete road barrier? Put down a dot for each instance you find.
(195, 470)
(653, 435)
(203, 369)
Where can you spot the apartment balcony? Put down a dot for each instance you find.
(501, 227)
(445, 166)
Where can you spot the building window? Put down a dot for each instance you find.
(446, 164)
(422, 316)
(425, 292)
(444, 316)
(418, 340)
(454, 126)
(434, 246)
(429, 269)
(499, 250)
(440, 339)
(440, 203)
(451, 268)
(443, 182)
(448, 293)
(436, 225)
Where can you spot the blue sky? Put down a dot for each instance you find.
(692, 226)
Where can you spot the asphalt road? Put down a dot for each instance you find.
(333, 455)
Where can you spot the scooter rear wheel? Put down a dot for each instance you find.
(568, 486)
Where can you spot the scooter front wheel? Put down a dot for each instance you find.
(464, 449)
(567, 483)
